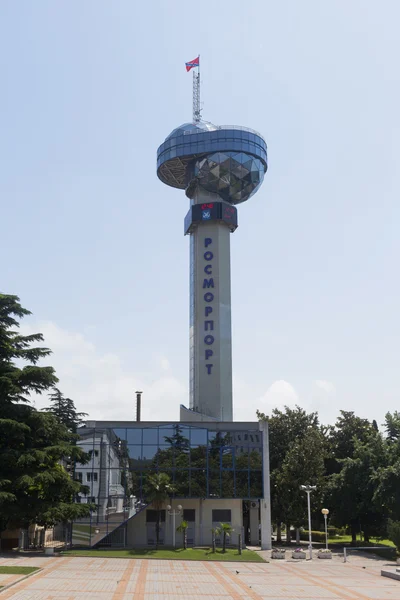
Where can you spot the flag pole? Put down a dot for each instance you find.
(196, 95)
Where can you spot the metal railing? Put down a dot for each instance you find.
(364, 548)
(219, 127)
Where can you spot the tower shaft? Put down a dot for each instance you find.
(210, 316)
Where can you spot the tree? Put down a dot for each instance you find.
(286, 428)
(224, 529)
(182, 528)
(348, 430)
(394, 533)
(158, 490)
(387, 476)
(34, 486)
(353, 490)
(302, 465)
(64, 410)
(392, 426)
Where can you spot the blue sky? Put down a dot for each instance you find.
(92, 242)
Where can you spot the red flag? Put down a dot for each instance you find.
(193, 63)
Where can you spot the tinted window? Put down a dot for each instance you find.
(221, 515)
(198, 436)
(151, 516)
(150, 436)
(189, 514)
(134, 436)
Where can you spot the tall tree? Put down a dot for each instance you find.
(34, 487)
(302, 465)
(387, 476)
(286, 428)
(353, 496)
(64, 410)
(348, 430)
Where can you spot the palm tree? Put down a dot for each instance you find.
(158, 489)
(224, 529)
(213, 532)
(182, 528)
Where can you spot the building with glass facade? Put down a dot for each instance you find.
(217, 470)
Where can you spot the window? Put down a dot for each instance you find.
(91, 476)
(78, 476)
(95, 452)
(221, 515)
(189, 514)
(151, 516)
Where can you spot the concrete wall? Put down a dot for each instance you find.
(137, 528)
(210, 374)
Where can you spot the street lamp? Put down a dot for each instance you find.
(325, 512)
(308, 489)
(174, 513)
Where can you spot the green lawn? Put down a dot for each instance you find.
(346, 539)
(189, 554)
(17, 570)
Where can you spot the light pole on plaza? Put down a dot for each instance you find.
(325, 512)
(308, 489)
(174, 513)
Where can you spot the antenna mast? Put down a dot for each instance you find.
(196, 95)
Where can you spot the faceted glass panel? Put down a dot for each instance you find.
(238, 175)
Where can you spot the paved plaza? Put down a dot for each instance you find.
(73, 578)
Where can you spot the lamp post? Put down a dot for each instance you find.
(325, 512)
(308, 489)
(174, 513)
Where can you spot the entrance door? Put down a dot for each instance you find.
(221, 516)
(151, 521)
(189, 515)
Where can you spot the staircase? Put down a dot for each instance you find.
(115, 538)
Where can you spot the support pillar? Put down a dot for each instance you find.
(265, 507)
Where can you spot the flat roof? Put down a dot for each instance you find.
(212, 425)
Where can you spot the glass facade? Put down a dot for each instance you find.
(201, 463)
(179, 150)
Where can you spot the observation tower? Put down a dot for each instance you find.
(218, 167)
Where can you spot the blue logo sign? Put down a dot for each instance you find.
(206, 215)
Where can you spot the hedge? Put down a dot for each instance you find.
(317, 536)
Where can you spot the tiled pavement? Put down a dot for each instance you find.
(73, 578)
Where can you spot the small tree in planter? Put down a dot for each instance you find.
(182, 528)
(224, 529)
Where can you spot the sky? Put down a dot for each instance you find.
(92, 242)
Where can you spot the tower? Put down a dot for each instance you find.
(218, 167)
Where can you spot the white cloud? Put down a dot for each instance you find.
(279, 394)
(99, 383)
(322, 395)
(104, 388)
(326, 386)
(165, 365)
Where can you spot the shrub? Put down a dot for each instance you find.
(393, 529)
(317, 536)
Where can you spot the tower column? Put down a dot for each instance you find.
(210, 317)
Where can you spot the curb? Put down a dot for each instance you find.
(6, 587)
